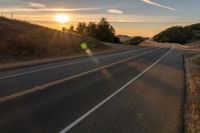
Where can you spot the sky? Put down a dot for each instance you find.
(129, 17)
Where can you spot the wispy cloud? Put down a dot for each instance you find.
(35, 5)
(115, 11)
(159, 5)
(47, 9)
(39, 7)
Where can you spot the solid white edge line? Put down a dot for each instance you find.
(70, 126)
(73, 63)
(42, 87)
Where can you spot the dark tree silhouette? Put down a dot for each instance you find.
(105, 31)
(92, 30)
(102, 31)
(81, 28)
(71, 28)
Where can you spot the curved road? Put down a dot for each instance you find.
(137, 91)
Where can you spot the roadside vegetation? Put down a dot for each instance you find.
(192, 114)
(135, 40)
(102, 30)
(179, 34)
(24, 41)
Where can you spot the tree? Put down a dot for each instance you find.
(81, 28)
(71, 28)
(91, 30)
(116, 40)
(105, 31)
(102, 31)
(64, 29)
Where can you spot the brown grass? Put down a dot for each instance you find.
(195, 44)
(196, 59)
(24, 41)
(192, 117)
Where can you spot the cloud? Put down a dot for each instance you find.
(115, 11)
(159, 5)
(35, 5)
(46, 9)
(39, 7)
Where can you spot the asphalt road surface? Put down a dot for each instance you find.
(136, 91)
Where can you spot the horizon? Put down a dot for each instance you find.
(133, 18)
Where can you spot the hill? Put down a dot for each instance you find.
(123, 37)
(135, 40)
(179, 34)
(24, 41)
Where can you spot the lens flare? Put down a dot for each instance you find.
(89, 52)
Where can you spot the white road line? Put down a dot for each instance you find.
(42, 87)
(111, 96)
(58, 66)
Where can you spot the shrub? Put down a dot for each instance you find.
(135, 40)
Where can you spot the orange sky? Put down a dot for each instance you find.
(130, 17)
(140, 27)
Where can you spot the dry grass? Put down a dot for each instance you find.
(192, 117)
(149, 42)
(196, 59)
(195, 44)
(25, 41)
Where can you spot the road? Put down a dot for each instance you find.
(136, 91)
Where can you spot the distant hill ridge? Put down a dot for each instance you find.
(179, 34)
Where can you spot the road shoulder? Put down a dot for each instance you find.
(192, 107)
(35, 62)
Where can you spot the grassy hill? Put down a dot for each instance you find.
(24, 41)
(179, 34)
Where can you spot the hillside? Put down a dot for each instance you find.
(179, 34)
(24, 41)
(135, 40)
(123, 37)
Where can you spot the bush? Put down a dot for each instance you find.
(135, 40)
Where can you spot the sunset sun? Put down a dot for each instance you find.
(61, 18)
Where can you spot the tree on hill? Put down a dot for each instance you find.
(105, 31)
(81, 28)
(116, 40)
(102, 31)
(91, 30)
(71, 28)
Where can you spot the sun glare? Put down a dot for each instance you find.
(61, 18)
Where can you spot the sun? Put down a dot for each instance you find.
(62, 18)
